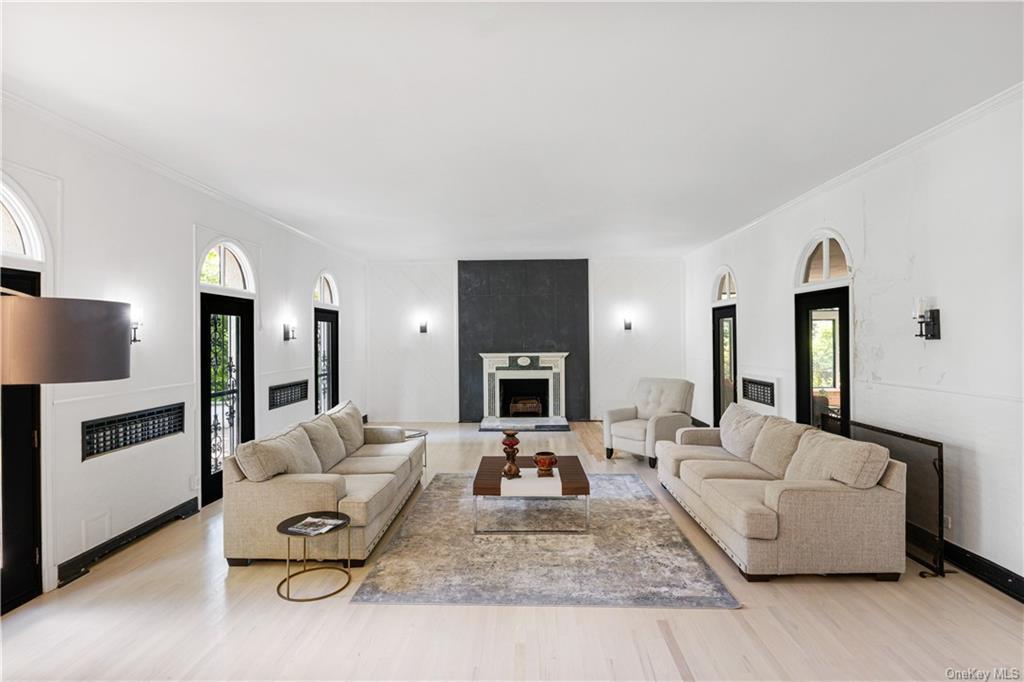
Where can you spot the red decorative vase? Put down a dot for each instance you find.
(511, 443)
(545, 462)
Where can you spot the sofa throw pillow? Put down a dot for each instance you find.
(775, 445)
(824, 456)
(349, 422)
(286, 453)
(327, 443)
(739, 429)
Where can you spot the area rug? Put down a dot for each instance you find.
(634, 555)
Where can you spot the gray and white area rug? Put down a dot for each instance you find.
(634, 556)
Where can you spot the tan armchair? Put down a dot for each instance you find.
(660, 408)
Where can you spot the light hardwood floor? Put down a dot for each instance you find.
(168, 607)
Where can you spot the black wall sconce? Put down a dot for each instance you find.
(423, 327)
(927, 317)
(289, 332)
(928, 325)
(627, 324)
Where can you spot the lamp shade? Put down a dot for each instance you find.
(63, 340)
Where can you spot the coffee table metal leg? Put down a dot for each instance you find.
(587, 497)
(476, 526)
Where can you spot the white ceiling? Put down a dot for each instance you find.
(489, 130)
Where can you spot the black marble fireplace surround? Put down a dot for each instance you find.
(520, 306)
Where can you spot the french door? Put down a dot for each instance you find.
(21, 577)
(723, 353)
(325, 359)
(227, 415)
(823, 359)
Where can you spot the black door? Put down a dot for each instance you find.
(823, 359)
(227, 412)
(21, 578)
(723, 322)
(325, 359)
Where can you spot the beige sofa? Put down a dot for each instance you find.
(660, 408)
(332, 462)
(782, 498)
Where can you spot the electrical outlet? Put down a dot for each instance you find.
(948, 521)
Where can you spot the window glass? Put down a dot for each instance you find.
(328, 291)
(210, 272)
(234, 277)
(726, 287)
(837, 267)
(814, 270)
(13, 241)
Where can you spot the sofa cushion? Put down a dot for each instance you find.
(411, 449)
(739, 429)
(695, 472)
(286, 453)
(668, 450)
(740, 504)
(349, 421)
(775, 445)
(662, 396)
(396, 465)
(633, 429)
(327, 444)
(824, 456)
(367, 496)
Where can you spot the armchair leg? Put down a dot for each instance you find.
(608, 453)
(652, 462)
(887, 577)
(755, 578)
(239, 562)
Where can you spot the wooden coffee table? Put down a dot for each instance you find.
(570, 483)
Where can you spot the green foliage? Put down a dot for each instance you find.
(823, 353)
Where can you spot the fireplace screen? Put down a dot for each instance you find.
(524, 398)
(923, 457)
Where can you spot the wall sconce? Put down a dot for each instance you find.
(627, 324)
(136, 323)
(927, 317)
(423, 327)
(289, 331)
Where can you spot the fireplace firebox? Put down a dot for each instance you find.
(524, 397)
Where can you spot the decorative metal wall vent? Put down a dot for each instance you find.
(758, 391)
(104, 435)
(287, 394)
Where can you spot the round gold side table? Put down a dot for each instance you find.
(284, 528)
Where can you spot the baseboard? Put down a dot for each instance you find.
(76, 567)
(1003, 579)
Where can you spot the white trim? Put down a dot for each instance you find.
(719, 273)
(28, 222)
(336, 305)
(166, 171)
(821, 236)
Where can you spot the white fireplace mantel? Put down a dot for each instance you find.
(498, 366)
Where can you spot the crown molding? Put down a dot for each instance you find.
(997, 101)
(149, 163)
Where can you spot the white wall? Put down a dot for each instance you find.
(123, 229)
(414, 376)
(940, 216)
(650, 292)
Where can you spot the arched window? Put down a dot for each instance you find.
(20, 237)
(726, 288)
(824, 260)
(225, 266)
(325, 292)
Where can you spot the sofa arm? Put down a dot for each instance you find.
(379, 435)
(699, 435)
(829, 527)
(252, 511)
(664, 427)
(618, 414)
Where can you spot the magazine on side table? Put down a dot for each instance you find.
(313, 525)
